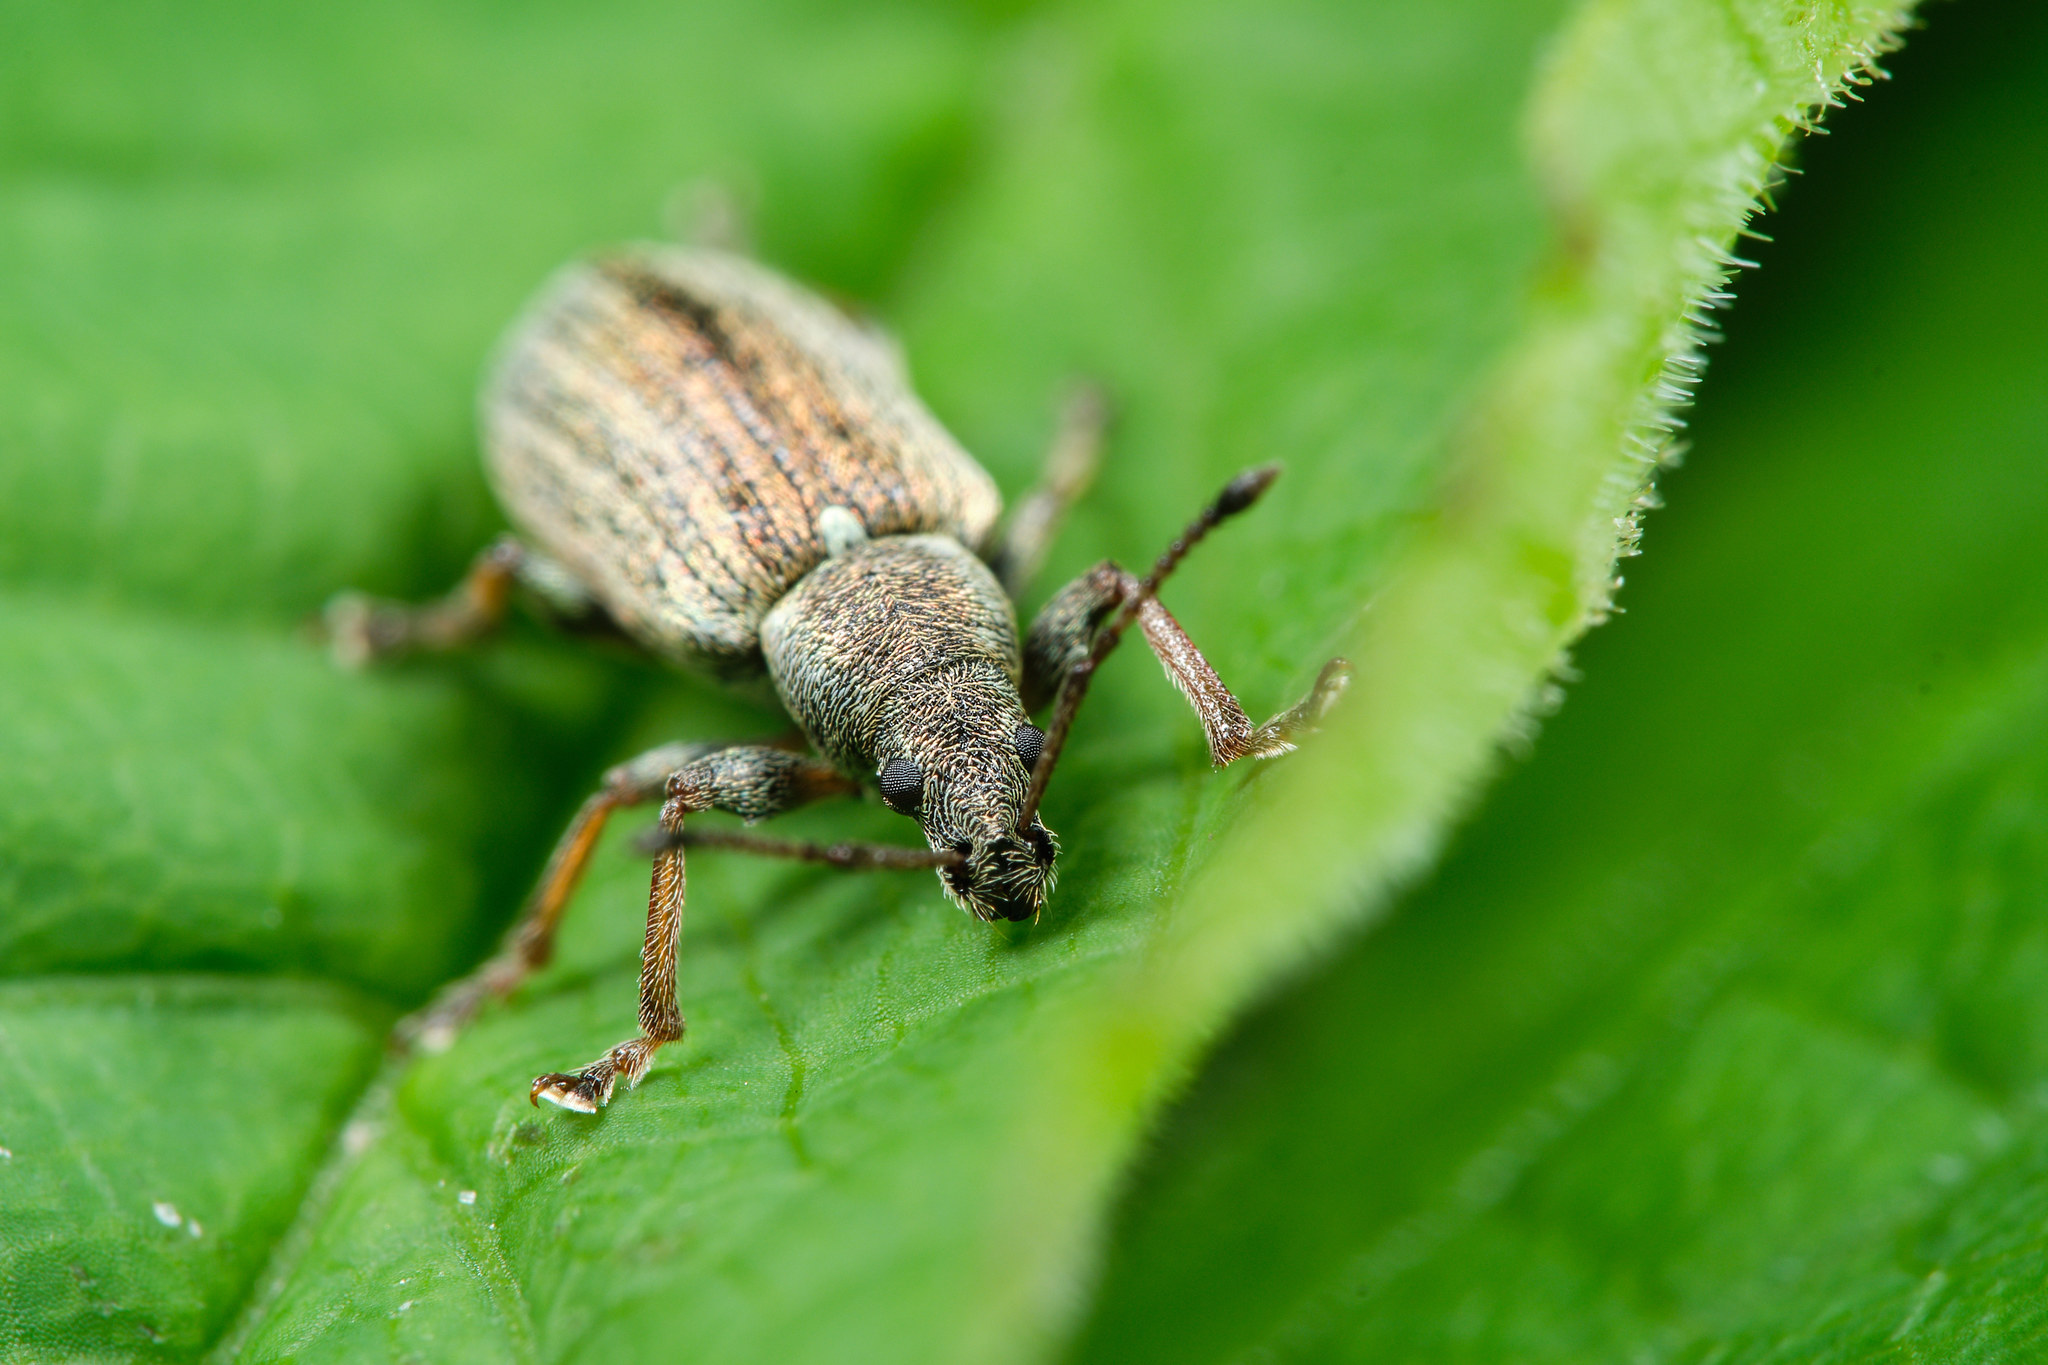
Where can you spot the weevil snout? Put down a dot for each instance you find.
(961, 767)
(1004, 876)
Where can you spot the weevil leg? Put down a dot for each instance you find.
(1063, 633)
(1089, 617)
(1070, 465)
(751, 781)
(530, 943)
(362, 629)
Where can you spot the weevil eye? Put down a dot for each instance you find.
(902, 783)
(1030, 744)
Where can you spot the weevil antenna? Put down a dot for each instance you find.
(850, 854)
(1237, 495)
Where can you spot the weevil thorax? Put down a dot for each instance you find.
(898, 656)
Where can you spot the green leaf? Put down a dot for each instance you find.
(1437, 258)
(158, 1133)
(1720, 1033)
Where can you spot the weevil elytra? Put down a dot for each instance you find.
(736, 476)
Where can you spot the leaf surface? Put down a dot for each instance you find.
(1719, 1033)
(1437, 260)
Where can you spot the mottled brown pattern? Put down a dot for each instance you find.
(669, 424)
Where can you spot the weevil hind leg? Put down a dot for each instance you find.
(1070, 464)
(362, 630)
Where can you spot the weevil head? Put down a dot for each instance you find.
(961, 768)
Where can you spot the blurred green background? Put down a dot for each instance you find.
(1716, 1035)
(1720, 1033)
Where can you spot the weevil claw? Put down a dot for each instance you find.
(583, 1091)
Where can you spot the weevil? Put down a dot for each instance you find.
(700, 454)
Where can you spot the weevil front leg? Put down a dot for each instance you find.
(754, 780)
(362, 629)
(1070, 465)
(1081, 625)
(1065, 633)
(751, 781)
